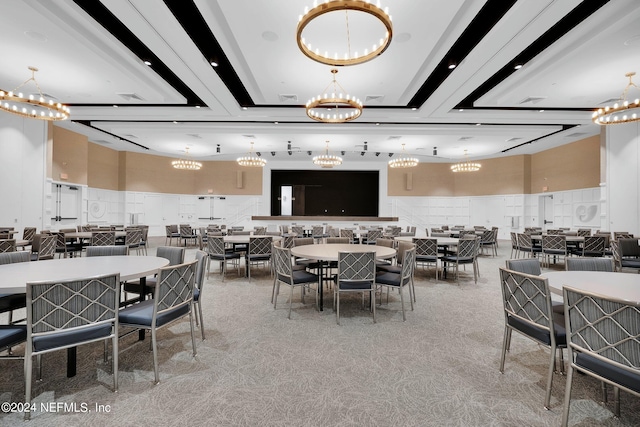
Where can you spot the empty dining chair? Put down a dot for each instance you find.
(603, 335)
(467, 253)
(286, 275)
(133, 239)
(217, 251)
(528, 310)
(259, 253)
(113, 250)
(172, 300)
(43, 247)
(401, 279)
(11, 302)
(356, 273)
(103, 238)
(525, 265)
(175, 255)
(427, 253)
(198, 285)
(7, 245)
(64, 314)
(589, 264)
(554, 247)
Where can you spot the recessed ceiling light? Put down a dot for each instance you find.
(377, 124)
(452, 64)
(540, 111)
(175, 122)
(197, 106)
(245, 108)
(147, 62)
(461, 110)
(414, 109)
(214, 64)
(478, 124)
(115, 106)
(275, 123)
(518, 66)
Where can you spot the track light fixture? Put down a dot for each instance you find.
(377, 153)
(273, 153)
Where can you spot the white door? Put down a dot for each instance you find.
(546, 205)
(286, 200)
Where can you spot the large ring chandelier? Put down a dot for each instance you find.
(32, 106)
(465, 166)
(403, 161)
(327, 160)
(348, 57)
(186, 163)
(621, 112)
(334, 107)
(250, 160)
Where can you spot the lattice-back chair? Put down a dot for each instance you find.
(515, 249)
(462, 233)
(103, 238)
(259, 252)
(43, 247)
(525, 245)
(217, 251)
(11, 302)
(615, 255)
(554, 246)
(297, 230)
(287, 241)
(372, 235)
(133, 239)
(61, 244)
(175, 255)
(528, 310)
(284, 229)
(427, 253)
(259, 231)
(7, 245)
(617, 235)
(629, 253)
(525, 265)
(593, 246)
(554, 231)
(356, 273)
(171, 232)
(584, 232)
(317, 232)
(285, 274)
(467, 253)
(28, 234)
(64, 314)
(604, 342)
(172, 300)
(346, 232)
(198, 285)
(187, 234)
(402, 279)
(488, 240)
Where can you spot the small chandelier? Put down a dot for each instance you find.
(29, 106)
(250, 160)
(403, 161)
(341, 108)
(348, 57)
(622, 112)
(327, 160)
(466, 166)
(186, 163)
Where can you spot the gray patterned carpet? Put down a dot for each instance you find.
(439, 368)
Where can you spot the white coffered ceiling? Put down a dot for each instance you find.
(91, 55)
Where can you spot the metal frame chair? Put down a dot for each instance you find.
(356, 273)
(400, 280)
(133, 239)
(554, 246)
(285, 274)
(604, 343)
(467, 253)
(7, 245)
(589, 264)
(103, 238)
(113, 250)
(217, 251)
(528, 310)
(172, 300)
(259, 252)
(202, 258)
(43, 247)
(175, 255)
(64, 314)
(11, 302)
(427, 252)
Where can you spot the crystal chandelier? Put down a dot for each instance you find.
(465, 166)
(250, 160)
(340, 108)
(333, 12)
(403, 161)
(327, 160)
(622, 111)
(186, 163)
(32, 106)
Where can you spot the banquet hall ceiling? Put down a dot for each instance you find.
(91, 55)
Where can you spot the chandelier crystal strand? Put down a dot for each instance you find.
(403, 161)
(622, 111)
(250, 160)
(336, 100)
(187, 163)
(335, 58)
(327, 160)
(29, 106)
(466, 166)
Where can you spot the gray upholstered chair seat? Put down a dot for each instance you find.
(607, 370)
(539, 333)
(353, 285)
(69, 338)
(630, 262)
(388, 268)
(11, 335)
(300, 276)
(142, 313)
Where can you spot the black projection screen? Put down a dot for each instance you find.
(327, 193)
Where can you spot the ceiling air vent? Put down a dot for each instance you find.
(465, 138)
(194, 135)
(129, 135)
(532, 99)
(513, 139)
(102, 141)
(288, 98)
(576, 135)
(249, 136)
(373, 99)
(128, 96)
(609, 101)
(392, 137)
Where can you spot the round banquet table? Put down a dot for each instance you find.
(623, 286)
(329, 252)
(16, 276)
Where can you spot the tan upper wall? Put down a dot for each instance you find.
(100, 167)
(568, 167)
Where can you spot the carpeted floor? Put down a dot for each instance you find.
(256, 368)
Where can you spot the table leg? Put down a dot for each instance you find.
(71, 362)
(321, 289)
